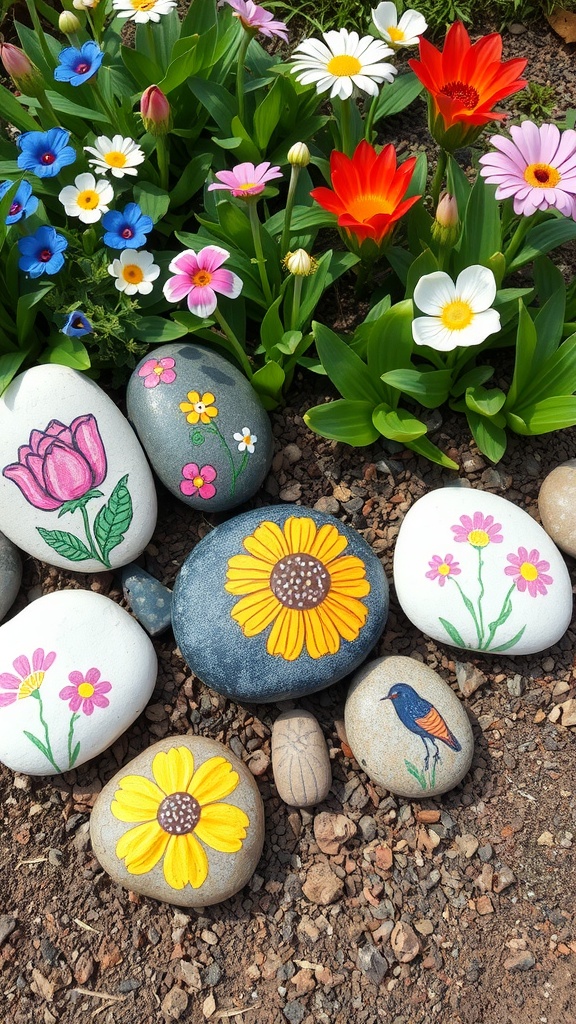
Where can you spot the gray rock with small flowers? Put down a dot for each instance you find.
(202, 425)
(557, 506)
(183, 823)
(10, 574)
(300, 759)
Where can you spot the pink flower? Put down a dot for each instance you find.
(529, 572)
(478, 531)
(256, 19)
(157, 371)
(246, 179)
(60, 463)
(537, 168)
(442, 568)
(198, 480)
(86, 692)
(31, 677)
(155, 111)
(199, 277)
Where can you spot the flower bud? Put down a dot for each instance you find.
(299, 155)
(155, 111)
(300, 263)
(68, 23)
(82, 5)
(26, 76)
(446, 226)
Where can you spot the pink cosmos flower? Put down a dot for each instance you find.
(30, 678)
(537, 168)
(442, 568)
(529, 572)
(478, 531)
(255, 18)
(198, 480)
(157, 371)
(198, 276)
(246, 179)
(86, 692)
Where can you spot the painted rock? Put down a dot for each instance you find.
(148, 599)
(300, 759)
(291, 600)
(202, 424)
(183, 822)
(75, 487)
(10, 574)
(75, 671)
(557, 506)
(473, 570)
(407, 728)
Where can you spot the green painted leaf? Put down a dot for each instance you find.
(344, 420)
(416, 773)
(37, 743)
(113, 519)
(197, 438)
(76, 503)
(75, 753)
(509, 643)
(452, 632)
(65, 544)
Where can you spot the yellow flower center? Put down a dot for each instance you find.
(528, 571)
(396, 34)
(246, 186)
(85, 690)
(364, 207)
(457, 315)
(158, 369)
(444, 569)
(133, 274)
(198, 481)
(88, 199)
(344, 66)
(478, 538)
(541, 176)
(143, 5)
(300, 581)
(30, 684)
(115, 158)
(247, 438)
(201, 279)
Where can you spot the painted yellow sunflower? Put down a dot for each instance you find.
(297, 579)
(199, 408)
(176, 811)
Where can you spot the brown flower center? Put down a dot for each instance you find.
(465, 94)
(178, 814)
(300, 581)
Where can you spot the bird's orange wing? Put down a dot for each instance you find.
(434, 724)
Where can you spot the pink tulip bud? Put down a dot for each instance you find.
(25, 75)
(446, 226)
(155, 111)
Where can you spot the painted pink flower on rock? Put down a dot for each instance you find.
(157, 371)
(86, 692)
(246, 179)
(199, 276)
(256, 19)
(442, 568)
(198, 481)
(29, 678)
(478, 530)
(529, 571)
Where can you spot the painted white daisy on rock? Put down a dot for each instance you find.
(142, 11)
(118, 155)
(405, 32)
(135, 271)
(458, 315)
(246, 440)
(342, 61)
(87, 198)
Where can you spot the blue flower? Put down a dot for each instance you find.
(45, 153)
(126, 230)
(77, 66)
(77, 325)
(23, 203)
(42, 252)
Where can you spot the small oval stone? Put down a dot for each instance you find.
(407, 729)
(202, 425)
(75, 671)
(557, 506)
(300, 759)
(183, 823)
(473, 570)
(76, 490)
(10, 574)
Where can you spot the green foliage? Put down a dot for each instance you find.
(537, 101)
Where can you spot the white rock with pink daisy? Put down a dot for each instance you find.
(473, 570)
(75, 671)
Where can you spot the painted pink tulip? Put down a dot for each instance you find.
(155, 111)
(60, 463)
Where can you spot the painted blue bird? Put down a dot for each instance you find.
(421, 718)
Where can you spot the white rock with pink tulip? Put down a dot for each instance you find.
(76, 490)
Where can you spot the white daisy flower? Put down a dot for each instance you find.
(405, 32)
(246, 440)
(343, 61)
(119, 155)
(87, 198)
(458, 315)
(134, 271)
(142, 11)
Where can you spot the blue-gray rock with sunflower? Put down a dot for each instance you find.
(202, 425)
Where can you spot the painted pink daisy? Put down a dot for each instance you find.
(246, 179)
(478, 530)
(529, 572)
(199, 276)
(29, 678)
(86, 692)
(537, 168)
(157, 371)
(198, 481)
(256, 19)
(442, 568)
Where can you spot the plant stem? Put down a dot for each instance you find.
(370, 119)
(438, 177)
(98, 557)
(234, 343)
(298, 279)
(44, 725)
(346, 126)
(93, 28)
(111, 114)
(37, 25)
(494, 625)
(257, 239)
(73, 721)
(151, 42)
(240, 99)
(49, 111)
(163, 154)
(517, 238)
(471, 610)
(285, 241)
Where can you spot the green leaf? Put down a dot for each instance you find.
(191, 180)
(37, 743)
(431, 452)
(509, 643)
(152, 200)
(549, 324)
(181, 67)
(542, 239)
(346, 370)
(343, 420)
(483, 401)
(217, 100)
(394, 98)
(397, 424)
(156, 329)
(426, 263)
(490, 438)
(14, 113)
(271, 328)
(555, 376)
(400, 260)
(269, 380)
(545, 416)
(26, 303)
(481, 231)
(9, 366)
(473, 378)
(75, 753)
(267, 114)
(66, 352)
(452, 633)
(389, 343)
(65, 544)
(113, 519)
(525, 347)
(458, 185)
(430, 388)
(142, 68)
(547, 278)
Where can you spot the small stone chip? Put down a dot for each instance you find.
(405, 942)
(322, 886)
(484, 905)
(372, 963)
(523, 960)
(174, 1003)
(331, 831)
(546, 839)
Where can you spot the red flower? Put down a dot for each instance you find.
(368, 192)
(464, 84)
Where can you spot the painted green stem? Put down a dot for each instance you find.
(494, 625)
(260, 259)
(73, 721)
(91, 543)
(470, 609)
(44, 724)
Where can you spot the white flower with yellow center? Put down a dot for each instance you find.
(119, 155)
(143, 11)
(342, 61)
(87, 198)
(134, 271)
(457, 315)
(246, 440)
(405, 32)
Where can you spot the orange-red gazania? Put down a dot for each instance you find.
(464, 83)
(368, 191)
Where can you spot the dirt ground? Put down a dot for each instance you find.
(458, 908)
